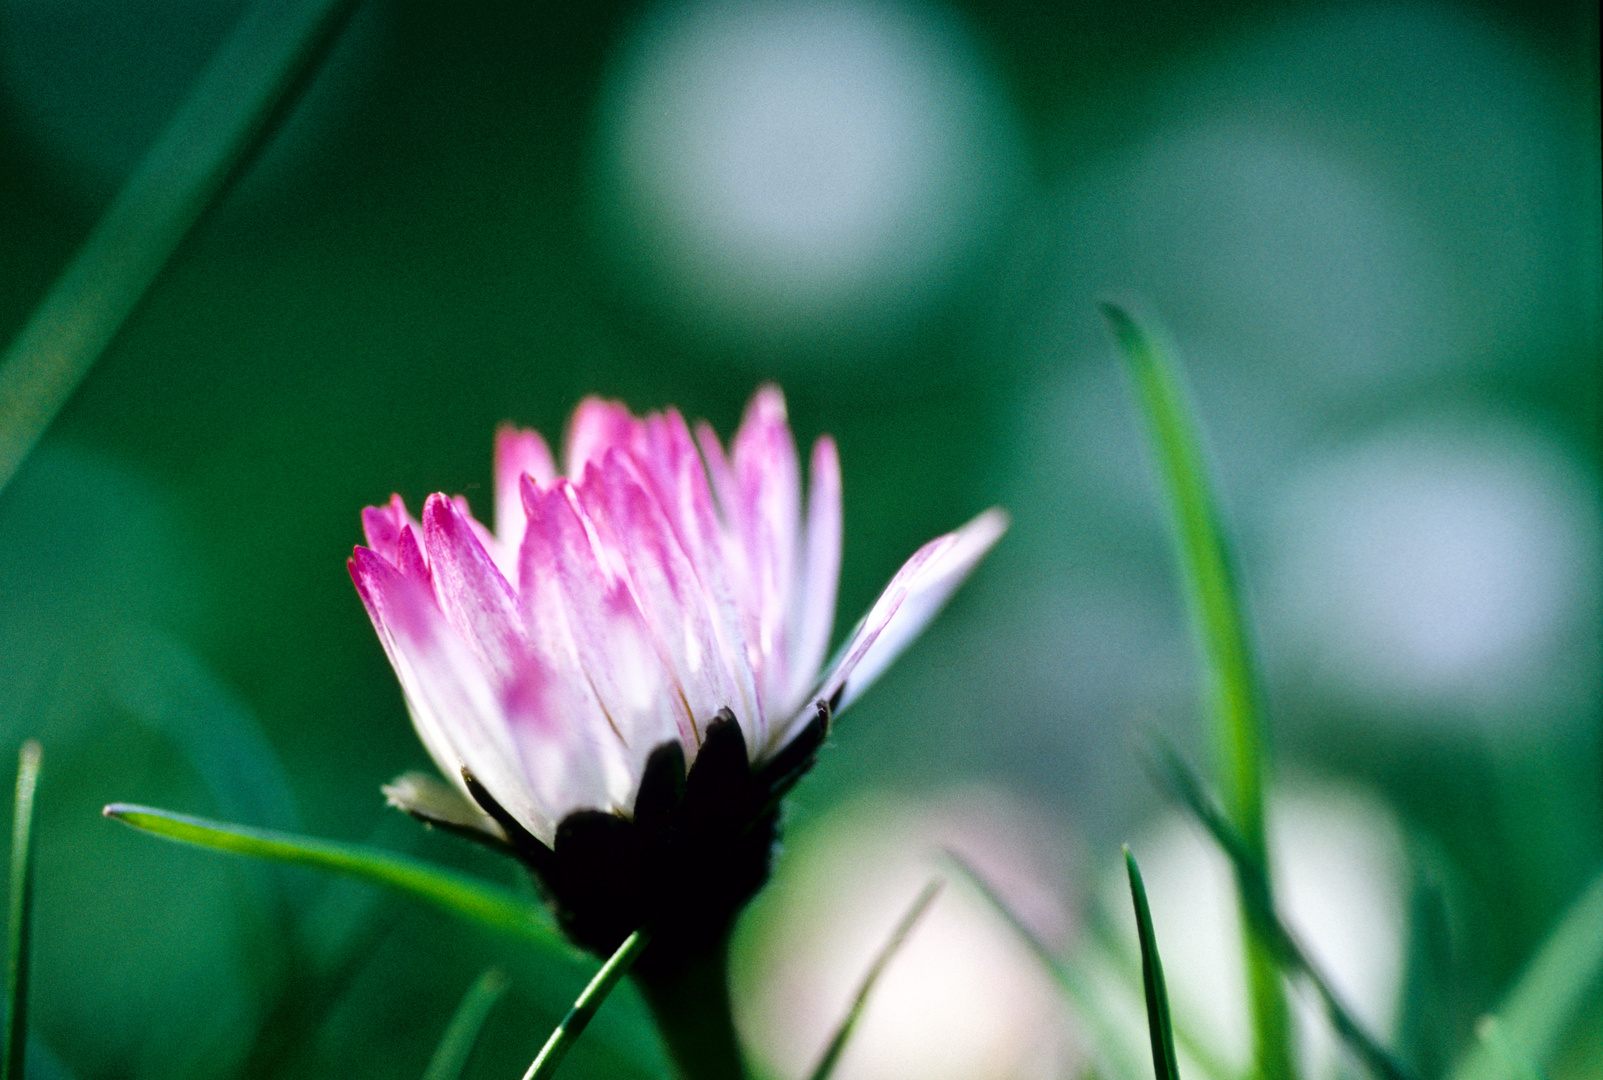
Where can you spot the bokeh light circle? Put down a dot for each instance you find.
(784, 169)
(1444, 566)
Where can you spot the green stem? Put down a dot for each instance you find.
(578, 1018)
(690, 1002)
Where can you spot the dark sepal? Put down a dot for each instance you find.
(697, 847)
(720, 782)
(662, 787)
(798, 756)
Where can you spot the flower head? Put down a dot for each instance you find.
(662, 600)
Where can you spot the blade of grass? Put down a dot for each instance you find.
(910, 918)
(461, 894)
(1160, 1029)
(20, 920)
(1535, 1013)
(1266, 925)
(1218, 624)
(451, 1056)
(589, 1000)
(231, 106)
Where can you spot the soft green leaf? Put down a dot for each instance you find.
(1218, 623)
(478, 901)
(1160, 1029)
(451, 1056)
(21, 913)
(589, 1000)
(1527, 1027)
(233, 101)
(826, 1064)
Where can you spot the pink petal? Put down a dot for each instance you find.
(457, 710)
(914, 596)
(765, 519)
(821, 576)
(476, 599)
(383, 524)
(612, 645)
(518, 452)
(675, 469)
(679, 612)
(597, 426)
(719, 472)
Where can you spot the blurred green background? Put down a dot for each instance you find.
(1372, 230)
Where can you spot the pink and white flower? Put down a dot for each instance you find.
(622, 604)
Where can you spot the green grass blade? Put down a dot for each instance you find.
(1531, 1021)
(21, 913)
(451, 1056)
(461, 894)
(910, 918)
(1266, 926)
(1160, 1029)
(589, 1000)
(1217, 619)
(232, 104)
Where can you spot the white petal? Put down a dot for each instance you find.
(815, 599)
(914, 596)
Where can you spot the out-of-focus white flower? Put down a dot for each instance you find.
(1340, 881)
(963, 999)
(1440, 566)
(658, 584)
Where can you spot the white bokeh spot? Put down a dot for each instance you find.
(779, 161)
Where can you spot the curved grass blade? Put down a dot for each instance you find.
(1160, 1029)
(451, 1056)
(1269, 928)
(1532, 1019)
(589, 1000)
(461, 894)
(915, 912)
(20, 921)
(232, 105)
(1218, 625)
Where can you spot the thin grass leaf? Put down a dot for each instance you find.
(1268, 927)
(1528, 1026)
(20, 921)
(451, 1056)
(1218, 624)
(461, 894)
(915, 912)
(589, 1000)
(232, 105)
(1160, 1029)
